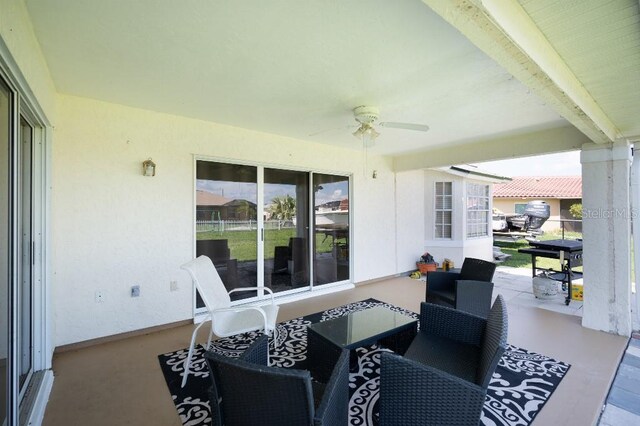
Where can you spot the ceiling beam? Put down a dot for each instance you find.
(559, 139)
(505, 32)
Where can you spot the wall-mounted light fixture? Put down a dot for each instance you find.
(148, 168)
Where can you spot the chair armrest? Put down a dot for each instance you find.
(414, 393)
(240, 309)
(244, 289)
(267, 289)
(474, 297)
(438, 280)
(451, 323)
(258, 351)
(334, 406)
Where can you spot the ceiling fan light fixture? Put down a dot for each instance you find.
(367, 133)
(366, 130)
(371, 132)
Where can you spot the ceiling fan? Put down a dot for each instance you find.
(367, 116)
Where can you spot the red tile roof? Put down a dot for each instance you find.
(206, 198)
(540, 187)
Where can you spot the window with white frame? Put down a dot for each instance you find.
(443, 209)
(478, 216)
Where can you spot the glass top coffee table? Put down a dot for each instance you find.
(326, 339)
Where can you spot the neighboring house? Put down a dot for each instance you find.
(560, 192)
(210, 206)
(458, 205)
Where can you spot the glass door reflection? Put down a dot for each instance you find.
(286, 229)
(330, 228)
(226, 223)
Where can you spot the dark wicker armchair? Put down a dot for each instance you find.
(468, 290)
(443, 377)
(246, 392)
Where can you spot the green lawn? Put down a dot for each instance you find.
(243, 244)
(521, 260)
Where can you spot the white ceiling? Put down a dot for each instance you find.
(293, 68)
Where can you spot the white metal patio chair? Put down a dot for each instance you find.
(226, 320)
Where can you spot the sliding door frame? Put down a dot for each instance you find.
(260, 166)
(25, 104)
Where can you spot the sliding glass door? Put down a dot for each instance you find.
(23, 340)
(16, 261)
(286, 229)
(227, 223)
(5, 245)
(254, 223)
(330, 228)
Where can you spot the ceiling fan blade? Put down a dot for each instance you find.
(405, 126)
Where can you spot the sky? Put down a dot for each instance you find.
(562, 164)
(248, 191)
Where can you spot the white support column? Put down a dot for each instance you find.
(606, 231)
(635, 227)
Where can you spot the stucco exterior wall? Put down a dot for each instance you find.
(114, 228)
(412, 218)
(17, 34)
(507, 205)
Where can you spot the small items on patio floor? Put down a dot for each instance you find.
(515, 285)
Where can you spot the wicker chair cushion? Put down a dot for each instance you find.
(455, 358)
(443, 297)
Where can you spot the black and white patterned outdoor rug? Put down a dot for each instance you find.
(521, 385)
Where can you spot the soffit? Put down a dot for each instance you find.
(288, 67)
(600, 42)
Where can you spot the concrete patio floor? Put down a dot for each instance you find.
(120, 382)
(515, 286)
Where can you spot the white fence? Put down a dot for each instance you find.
(240, 225)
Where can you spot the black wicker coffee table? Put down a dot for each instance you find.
(391, 329)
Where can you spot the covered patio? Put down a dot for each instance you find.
(120, 382)
(114, 116)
